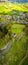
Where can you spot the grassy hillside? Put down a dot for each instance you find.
(17, 34)
(5, 8)
(16, 53)
(16, 28)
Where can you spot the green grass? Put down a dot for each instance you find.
(7, 8)
(19, 47)
(17, 28)
(2, 43)
(25, 61)
(16, 53)
(18, 50)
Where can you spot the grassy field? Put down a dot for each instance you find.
(17, 28)
(16, 53)
(6, 8)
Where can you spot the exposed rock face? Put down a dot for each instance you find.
(21, 16)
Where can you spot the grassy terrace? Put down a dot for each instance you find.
(6, 8)
(16, 28)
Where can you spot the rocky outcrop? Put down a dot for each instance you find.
(21, 18)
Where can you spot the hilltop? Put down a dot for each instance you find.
(7, 8)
